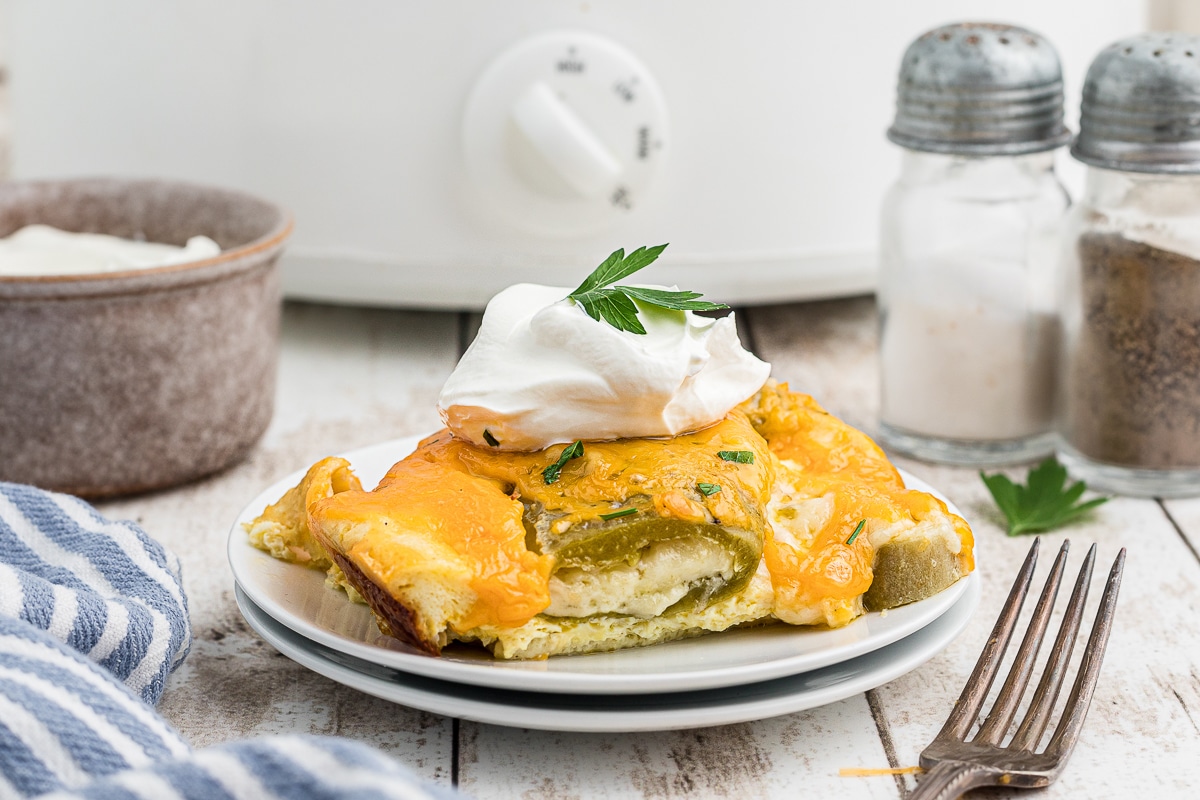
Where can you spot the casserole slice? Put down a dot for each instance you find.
(778, 512)
(616, 547)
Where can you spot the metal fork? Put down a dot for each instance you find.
(954, 764)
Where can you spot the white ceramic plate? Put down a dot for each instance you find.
(613, 714)
(298, 598)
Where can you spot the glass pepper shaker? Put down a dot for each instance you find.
(968, 246)
(1130, 414)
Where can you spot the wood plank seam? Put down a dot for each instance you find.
(455, 752)
(747, 328)
(885, 738)
(463, 328)
(1186, 541)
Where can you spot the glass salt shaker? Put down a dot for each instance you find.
(1130, 412)
(968, 319)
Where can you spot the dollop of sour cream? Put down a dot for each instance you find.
(542, 372)
(44, 250)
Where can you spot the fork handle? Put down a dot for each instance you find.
(948, 780)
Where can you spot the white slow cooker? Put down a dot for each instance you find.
(435, 152)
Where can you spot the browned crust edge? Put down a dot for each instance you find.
(394, 618)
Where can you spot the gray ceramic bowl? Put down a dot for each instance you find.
(130, 381)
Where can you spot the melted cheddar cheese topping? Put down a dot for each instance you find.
(614, 473)
(453, 514)
(470, 504)
(817, 564)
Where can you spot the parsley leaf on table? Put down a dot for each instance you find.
(1046, 502)
(614, 304)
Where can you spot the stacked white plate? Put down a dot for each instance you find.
(718, 679)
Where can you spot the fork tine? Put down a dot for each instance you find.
(1005, 708)
(966, 708)
(1030, 731)
(1067, 733)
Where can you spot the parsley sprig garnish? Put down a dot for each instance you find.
(737, 456)
(573, 450)
(614, 304)
(1046, 501)
(708, 489)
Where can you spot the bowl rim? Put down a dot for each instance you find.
(273, 239)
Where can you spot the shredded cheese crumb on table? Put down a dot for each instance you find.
(868, 772)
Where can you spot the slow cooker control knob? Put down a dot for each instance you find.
(564, 134)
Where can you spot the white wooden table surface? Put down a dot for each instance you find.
(351, 377)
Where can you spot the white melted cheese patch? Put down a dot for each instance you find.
(664, 574)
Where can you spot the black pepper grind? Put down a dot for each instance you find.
(1134, 382)
(1130, 415)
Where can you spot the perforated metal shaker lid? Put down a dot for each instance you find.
(976, 88)
(1141, 106)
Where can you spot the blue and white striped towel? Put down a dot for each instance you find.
(105, 589)
(92, 620)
